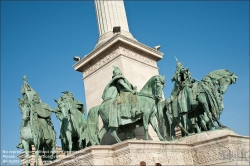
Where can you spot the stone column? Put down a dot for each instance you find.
(111, 13)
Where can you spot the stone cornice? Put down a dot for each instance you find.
(80, 65)
(117, 51)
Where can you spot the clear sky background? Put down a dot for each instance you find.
(39, 39)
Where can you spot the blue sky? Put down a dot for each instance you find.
(39, 39)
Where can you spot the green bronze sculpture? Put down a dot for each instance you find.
(214, 85)
(197, 104)
(36, 127)
(193, 105)
(71, 112)
(122, 105)
(183, 81)
(120, 86)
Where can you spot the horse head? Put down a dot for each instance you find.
(64, 105)
(225, 81)
(25, 108)
(154, 86)
(222, 78)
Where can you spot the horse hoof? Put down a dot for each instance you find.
(161, 139)
(216, 127)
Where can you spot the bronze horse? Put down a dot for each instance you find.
(148, 98)
(73, 123)
(32, 133)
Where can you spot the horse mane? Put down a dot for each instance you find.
(147, 88)
(217, 74)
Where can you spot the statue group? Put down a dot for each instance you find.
(193, 105)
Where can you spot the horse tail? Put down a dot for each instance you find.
(92, 129)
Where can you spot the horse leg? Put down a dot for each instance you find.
(37, 145)
(218, 122)
(65, 145)
(185, 123)
(145, 123)
(53, 149)
(202, 122)
(153, 123)
(198, 130)
(27, 154)
(167, 131)
(178, 122)
(80, 145)
(203, 101)
(172, 128)
(69, 138)
(103, 131)
(209, 126)
(114, 133)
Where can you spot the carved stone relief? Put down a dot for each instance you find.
(117, 50)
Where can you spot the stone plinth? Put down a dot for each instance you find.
(137, 62)
(219, 147)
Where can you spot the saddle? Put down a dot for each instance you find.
(126, 97)
(127, 105)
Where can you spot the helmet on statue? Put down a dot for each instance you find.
(69, 94)
(179, 65)
(116, 71)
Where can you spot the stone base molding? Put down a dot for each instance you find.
(217, 147)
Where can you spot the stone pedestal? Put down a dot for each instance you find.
(219, 147)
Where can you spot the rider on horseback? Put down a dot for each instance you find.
(42, 111)
(76, 103)
(45, 122)
(182, 79)
(120, 88)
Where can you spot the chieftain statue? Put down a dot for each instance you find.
(36, 127)
(183, 81)
(123, 106)
(71, 112)
(194, 105)
(119, 88)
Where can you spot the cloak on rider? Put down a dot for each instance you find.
(183, 83)
(120, 91)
